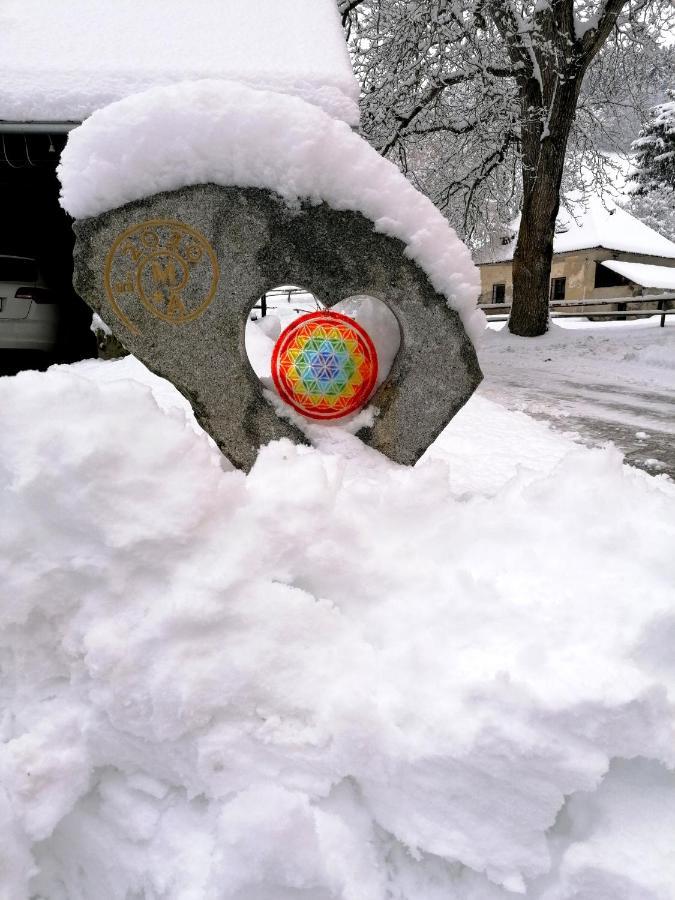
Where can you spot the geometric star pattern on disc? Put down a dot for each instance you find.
(324, 365)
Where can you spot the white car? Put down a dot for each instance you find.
(29, 315)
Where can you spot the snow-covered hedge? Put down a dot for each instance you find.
(230, 134)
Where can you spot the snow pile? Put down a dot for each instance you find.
(336, 678)
(230, 134)
(61, 61)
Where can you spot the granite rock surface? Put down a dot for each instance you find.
(175, 276)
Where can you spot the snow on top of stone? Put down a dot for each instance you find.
(597, 222)
(661, 277)
(229, 134)
(59, 61)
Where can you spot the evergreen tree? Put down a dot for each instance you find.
(655, 151)
(653, 191)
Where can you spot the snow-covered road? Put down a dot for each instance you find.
(603, 382)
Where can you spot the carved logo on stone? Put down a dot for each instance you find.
(167, 266)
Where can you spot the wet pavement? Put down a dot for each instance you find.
(638, 420)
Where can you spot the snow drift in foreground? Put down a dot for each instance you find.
(230, 134)
(336, 678)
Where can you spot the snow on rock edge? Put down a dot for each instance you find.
(230, 134)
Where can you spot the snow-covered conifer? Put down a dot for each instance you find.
(655, 151)
(652, 191)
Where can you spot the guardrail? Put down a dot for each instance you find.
(557, 310)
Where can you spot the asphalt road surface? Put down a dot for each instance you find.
(597, 399)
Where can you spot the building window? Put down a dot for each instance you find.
(605, 278)
(498, 293)
(558, 288)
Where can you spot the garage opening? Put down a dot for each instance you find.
(34, 226)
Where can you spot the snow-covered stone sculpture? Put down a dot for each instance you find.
(193, 201)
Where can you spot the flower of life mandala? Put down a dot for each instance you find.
(324, 365)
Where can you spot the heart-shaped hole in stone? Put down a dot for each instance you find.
(346, 352)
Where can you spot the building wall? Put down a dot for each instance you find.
(495, 273)
(579, 270)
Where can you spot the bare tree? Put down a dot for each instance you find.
(493, 88)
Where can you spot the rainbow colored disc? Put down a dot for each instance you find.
(324, 365)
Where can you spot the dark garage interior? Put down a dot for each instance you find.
(33, 224)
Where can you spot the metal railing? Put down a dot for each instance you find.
(288, 294)
(587, 309)
(499, 312)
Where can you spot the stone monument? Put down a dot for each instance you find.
(175, 276)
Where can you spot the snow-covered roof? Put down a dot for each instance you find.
(62, 59)
(598, 222)
(662, 277)
(604, 224)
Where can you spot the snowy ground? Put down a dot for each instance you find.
(336, 678)
(600, 383)
(604, 382)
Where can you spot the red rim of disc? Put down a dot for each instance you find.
(288, 335)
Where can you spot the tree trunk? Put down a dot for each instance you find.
(543, 164)
(532, 257)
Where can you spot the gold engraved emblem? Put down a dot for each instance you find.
(166, 265)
